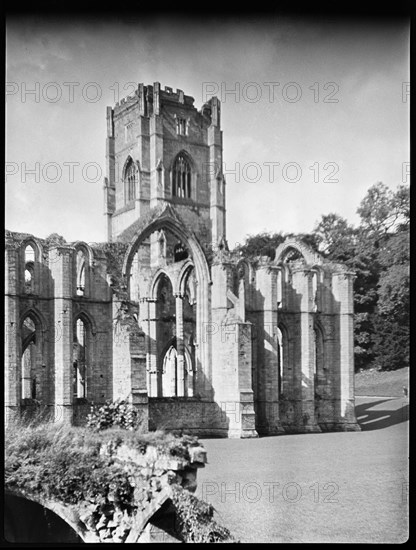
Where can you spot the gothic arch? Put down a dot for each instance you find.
(183, 175)
(86, 249)
(37, 247)
(188, 157)
(305, 251)
(130, 179)
(183, 276)
(155, 282)
(30, 266)
(36, 316)
(83, 260)
(86, 318)
(32, 381)
(177, 228)
(170, 222)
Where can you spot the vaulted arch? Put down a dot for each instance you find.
(170, 222)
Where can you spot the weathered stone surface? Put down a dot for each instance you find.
(192, 336)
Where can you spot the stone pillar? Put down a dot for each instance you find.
(144, 321)
(180, 367)
(268, 406)
(154, 368)
(302, 283)
(215, 175)
(61, 271)
(156, 148)
(231, 371)
(342, 285)
(12, 360)
(109, 181)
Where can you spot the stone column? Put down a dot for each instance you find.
(156, 148)
(154, 368)
(62, 271)
(215, 176)
(12, 361)
(302, 283)
(145, 323)
(180, 370)
(269, 367)
(109, 181)
(342, 285)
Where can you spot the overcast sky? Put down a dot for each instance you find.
(326, 100)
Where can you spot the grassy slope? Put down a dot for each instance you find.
(383, 383)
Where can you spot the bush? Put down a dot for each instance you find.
(196, 523)
(114, 414)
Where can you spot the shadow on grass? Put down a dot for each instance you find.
(382, 418)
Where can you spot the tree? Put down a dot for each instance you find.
(335, 237)
(383, 210)
(391, 340)
(263, 244)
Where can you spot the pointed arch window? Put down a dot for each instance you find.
(29, 357)
(80, 268)
(181, 177)
(130, 181)
(80, 359)
(29, 262)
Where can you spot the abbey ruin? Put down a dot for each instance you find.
(163, 314)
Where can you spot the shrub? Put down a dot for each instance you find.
(114, 414)
(195, 518)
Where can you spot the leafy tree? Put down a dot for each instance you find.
(263, 244)
(336, 238)
(382, 210)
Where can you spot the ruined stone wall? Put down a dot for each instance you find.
(52, 305)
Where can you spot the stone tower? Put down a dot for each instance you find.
(161, 149)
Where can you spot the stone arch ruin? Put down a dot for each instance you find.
(257, 346)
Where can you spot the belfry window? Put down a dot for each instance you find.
(181, 127)
(181, 178)
(130, 182)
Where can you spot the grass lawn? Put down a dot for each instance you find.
(329, 487)
(383, 383)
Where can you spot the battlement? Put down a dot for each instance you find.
(151, 98)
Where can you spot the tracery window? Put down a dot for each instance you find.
(181, 178)
(130, 182)
(181, 127)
